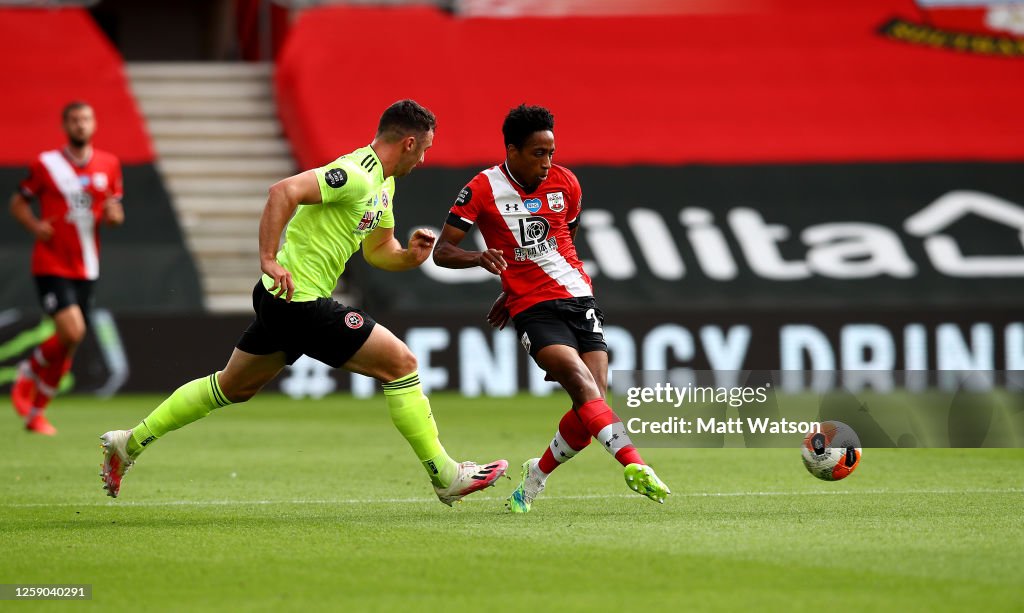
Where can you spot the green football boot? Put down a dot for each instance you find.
(641, 479)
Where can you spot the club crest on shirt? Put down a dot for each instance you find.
(532, 204)
(556, 202)
(384, 199)
(99, 181)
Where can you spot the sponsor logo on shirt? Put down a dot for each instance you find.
(533, 236)
(535, 251)
(369, 221)
(533, 230)
(79, 208)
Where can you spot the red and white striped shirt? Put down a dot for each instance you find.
(531, 229)
(71, 197)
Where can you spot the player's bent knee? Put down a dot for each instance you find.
(402, 364)
(580, 385)
(71, 336)
(394, 366)
(408, 363)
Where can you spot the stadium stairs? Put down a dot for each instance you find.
(219, 147)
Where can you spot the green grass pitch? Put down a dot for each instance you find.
(319, 505)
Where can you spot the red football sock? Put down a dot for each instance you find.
(49, 352)
(604, 425)
(58, 362)
(570, 438)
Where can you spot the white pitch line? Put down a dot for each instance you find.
(342, 501)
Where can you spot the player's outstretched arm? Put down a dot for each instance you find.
(448, 254)
(382, 250)
(22, 211)
(284, 197)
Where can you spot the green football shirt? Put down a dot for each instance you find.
(320, 238)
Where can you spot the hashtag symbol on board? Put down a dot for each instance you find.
(308, 378)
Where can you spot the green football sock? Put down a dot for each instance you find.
(190, 402)
(410, 412)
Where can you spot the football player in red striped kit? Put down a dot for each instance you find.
(527, 209)
(78, 188)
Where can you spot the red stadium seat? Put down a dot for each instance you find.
(49, 58)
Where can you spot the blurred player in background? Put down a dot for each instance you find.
(77, 188)
(528, 209)
(347, 204)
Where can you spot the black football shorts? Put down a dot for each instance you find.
(58, 293)
(576, 322)
(323, 329)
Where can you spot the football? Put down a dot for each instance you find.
(833, 453)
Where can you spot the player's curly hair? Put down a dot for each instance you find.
(403, 118)
(523, 121)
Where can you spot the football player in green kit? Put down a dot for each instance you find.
(338, 208)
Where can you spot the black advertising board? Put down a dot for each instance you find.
(849, 237)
